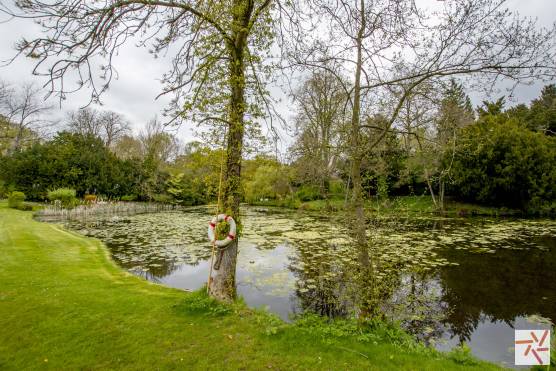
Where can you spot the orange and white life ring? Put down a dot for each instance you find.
(212, 230)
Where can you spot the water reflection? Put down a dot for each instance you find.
(498, 287)
(450, 280)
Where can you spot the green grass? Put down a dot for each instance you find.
(64, 304)
(424, 204)
(395, 205)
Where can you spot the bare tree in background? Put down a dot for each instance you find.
(114, 126)
(390, 47)
(107, 125)
(85, 121)
(24, 111)
(3, 93)
(158, 147)
(3, 101)
(320, 120)
(157, 144)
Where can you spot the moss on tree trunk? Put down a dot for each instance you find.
(223, 286)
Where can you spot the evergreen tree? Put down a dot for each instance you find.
(543, 111)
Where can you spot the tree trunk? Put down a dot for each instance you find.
(223, 286)
(368, 299)
(358, 222)
(441, 194)
(431, 189)
(16, 144)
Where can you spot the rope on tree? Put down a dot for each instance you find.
(221, 244)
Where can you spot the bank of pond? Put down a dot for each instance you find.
(454, 281)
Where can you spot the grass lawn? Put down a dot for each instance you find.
(64, 304)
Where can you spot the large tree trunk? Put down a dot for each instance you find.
(223, 286)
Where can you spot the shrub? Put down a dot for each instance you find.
(129, 198)
(25, 207)
(4, 191)
(462, 355)
(66, 196)
(308, 193)
(90, 199)
(336, 188)
(15, 199)
(162, 198)
(500, 163)
(200, 302)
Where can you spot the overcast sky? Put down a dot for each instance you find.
(133, 93)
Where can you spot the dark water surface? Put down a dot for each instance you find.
(455, 279)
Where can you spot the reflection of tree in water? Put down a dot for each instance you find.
(154, 274)
(328, 282)
(482, 285)
(150, 245)
(417, 304)
(323, 283)
(149, 266)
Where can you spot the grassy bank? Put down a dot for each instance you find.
(65, 305)
(395, 205)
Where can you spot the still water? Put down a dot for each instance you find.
(453, 280)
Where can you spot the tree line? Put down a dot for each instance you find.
(440, 147)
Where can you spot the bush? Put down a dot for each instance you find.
(128, 198)
(4, 192)
(162, 198)
(336, 188)
(200, 302)
(66, 196)
(90, 199)
(500, 163)
(462, 355)
(184, 190)
(15, 199)
(308, 193)
(25, 207)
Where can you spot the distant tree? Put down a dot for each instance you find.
(184, 191)
(3, 92)
(381, 168)
(158, 145)
(492, 107)
(455, 113)
(9, 131)
(543, 111)
(128, 147)
(321, 118)
(522, 114)
(158, 148)
(270, 180)
(107, 125)
(114, 127)
(24, 109)
(502, 163)
(85, 121)
(203, 166)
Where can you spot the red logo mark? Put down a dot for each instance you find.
(535, 345)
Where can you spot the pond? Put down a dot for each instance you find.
(455, 279)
